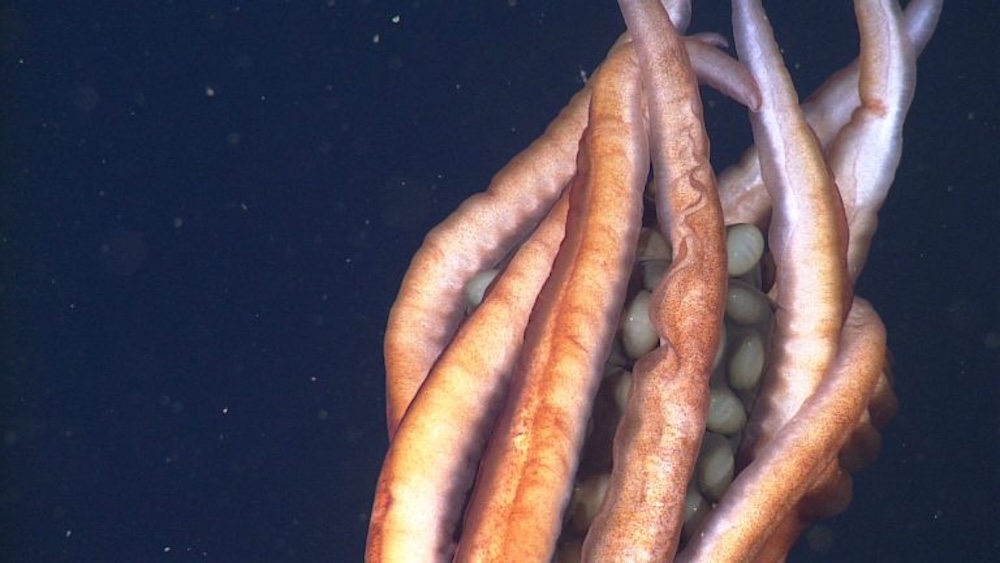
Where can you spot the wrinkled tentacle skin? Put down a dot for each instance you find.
(487, 412)
(660, 433)
(523, 486)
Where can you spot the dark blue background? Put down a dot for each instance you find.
(207, 208)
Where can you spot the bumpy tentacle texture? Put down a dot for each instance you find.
(731, 437)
